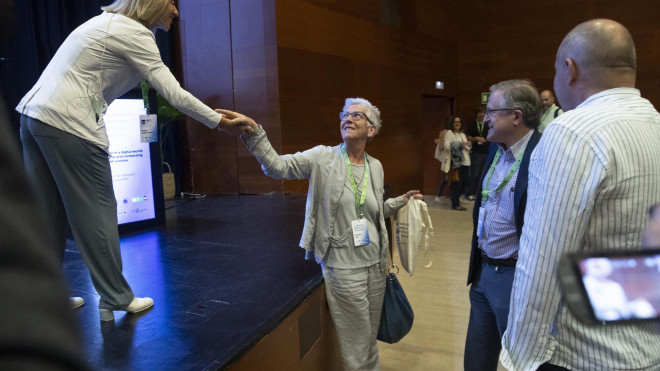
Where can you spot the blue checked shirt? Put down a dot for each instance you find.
(499, 239)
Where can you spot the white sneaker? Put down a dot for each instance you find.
(76, 302)
(437, 199)
(140, 304)
(136, 306)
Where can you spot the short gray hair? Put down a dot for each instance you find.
(521, 94)
(145, 11)
(373, 113)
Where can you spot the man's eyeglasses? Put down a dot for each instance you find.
(354, 115)
(489, 112)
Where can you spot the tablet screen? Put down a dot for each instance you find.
(622, 287)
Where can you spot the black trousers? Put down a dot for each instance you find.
(457, 189)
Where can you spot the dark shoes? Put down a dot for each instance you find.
(468, 198)
(459, 208)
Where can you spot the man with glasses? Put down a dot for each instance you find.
(512, 115)
(591, 179)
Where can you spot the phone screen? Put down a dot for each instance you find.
(622, 287)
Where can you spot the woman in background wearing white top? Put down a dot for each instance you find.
(457, 155)
(65, 143)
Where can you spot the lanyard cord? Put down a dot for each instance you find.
(486, 191)
(358, 201)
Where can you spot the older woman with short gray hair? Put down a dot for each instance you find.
(344, 228)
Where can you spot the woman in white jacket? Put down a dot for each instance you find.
(456, 155)
(65, 144)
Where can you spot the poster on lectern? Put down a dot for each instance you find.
(135, 164)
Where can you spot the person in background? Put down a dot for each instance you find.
(651, 235)
(456, 157)
(512, 115)
(549, 111)
(344, 228)
(477, 133)
(591, 178)
(439, 155)
(65, 144)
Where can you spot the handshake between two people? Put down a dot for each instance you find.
(235, 123)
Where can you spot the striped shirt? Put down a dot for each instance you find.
(592, 178)
(499, 239)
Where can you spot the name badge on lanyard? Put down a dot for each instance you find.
(360, 232)
(148, 128)
(360, 227)
(480, 223)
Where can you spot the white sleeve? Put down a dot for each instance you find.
(142, 52)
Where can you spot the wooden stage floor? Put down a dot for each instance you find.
(223, 272)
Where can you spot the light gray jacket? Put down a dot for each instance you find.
(326, 170)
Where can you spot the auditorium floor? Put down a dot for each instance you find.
(225, 269)
(438, 295)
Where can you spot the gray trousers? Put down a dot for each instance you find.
(355, 297)
(73, 180)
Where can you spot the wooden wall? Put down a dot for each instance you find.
(208, 156)
(390, 55)
(291, 63)
(305, 340)
(514, 39)
(228, 60)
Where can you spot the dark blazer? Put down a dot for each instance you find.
(520, 199)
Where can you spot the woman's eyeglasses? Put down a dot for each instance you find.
(354, 115)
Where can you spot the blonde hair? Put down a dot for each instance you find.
(144, 11)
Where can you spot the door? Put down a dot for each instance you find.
(435, 110)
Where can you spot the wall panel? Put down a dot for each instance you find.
(334, 52)
(519, 38)
(229, 60)
(290, 63)
(208, 156)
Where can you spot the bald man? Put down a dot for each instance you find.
(549, 110)
(591, 178)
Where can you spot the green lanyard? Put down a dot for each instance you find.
(358, 201)
(507, 178)
(480, 127)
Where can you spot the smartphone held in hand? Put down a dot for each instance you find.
(612, 287)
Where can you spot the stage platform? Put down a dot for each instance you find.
(223, 272)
